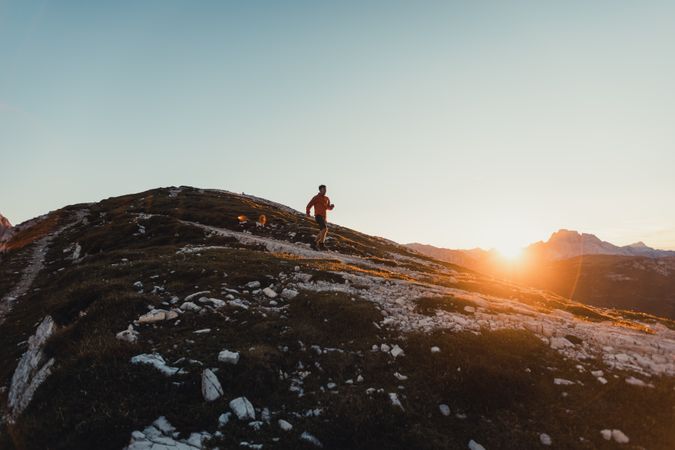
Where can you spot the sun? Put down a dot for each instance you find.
(510, 252)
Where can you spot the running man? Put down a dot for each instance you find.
(321, 205)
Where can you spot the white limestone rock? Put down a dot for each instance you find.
(242, 408)
(32, 370)
(393, 397)
(289, 294)
(473, 445)
(270, 292)
(157, 315)
(397, 351)
(155, 360)
(228, 357)
(211, 388)
(224, 419)
(560, 342)
(190, 306)
(618, 436)
(215, 302)
(128, 335)
(285, 425)
(305, 436)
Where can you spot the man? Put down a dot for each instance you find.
(321, 205)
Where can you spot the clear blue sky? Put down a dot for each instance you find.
(459, 124)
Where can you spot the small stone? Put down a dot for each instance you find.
(393, 397)
(385, 348)
(211, 388)
(473, 445)
(129, 335)
(285, 425)
(155, 360)
(163, 425)
(444, 409)
(305, 436)
(228, 357)
(435, 349)
(619, 437)
(636, 382)
(397, 351)
(289, 294)
(224, 419)
(189, 306)
(253, 285)
(606, 434)
(560, 342)
(256, 424)
(545, 439)
(270, 292)
(157, 315)
(242, 408)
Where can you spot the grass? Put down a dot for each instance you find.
(429, 305)
(96, 398)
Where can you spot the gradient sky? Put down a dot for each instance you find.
(459, 124)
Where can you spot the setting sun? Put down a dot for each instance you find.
(510, 252)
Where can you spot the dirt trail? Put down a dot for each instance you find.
(34, 266)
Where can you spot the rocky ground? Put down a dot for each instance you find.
(165, 319)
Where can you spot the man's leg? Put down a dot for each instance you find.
(322, 225)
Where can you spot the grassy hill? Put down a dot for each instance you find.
(368, 345)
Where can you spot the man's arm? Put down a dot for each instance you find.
(330, 205)
(310, 204)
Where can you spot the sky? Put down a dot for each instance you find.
(458, 124)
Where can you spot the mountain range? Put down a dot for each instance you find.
(565, 244)
(582, 267)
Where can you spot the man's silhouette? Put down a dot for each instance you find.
(321, 205)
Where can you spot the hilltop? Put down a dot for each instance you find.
(165, 319)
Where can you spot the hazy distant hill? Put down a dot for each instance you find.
(169, 319)
(584, 268)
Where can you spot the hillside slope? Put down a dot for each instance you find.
(639, 283)
(158, 320)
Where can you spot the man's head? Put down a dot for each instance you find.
(322, 189)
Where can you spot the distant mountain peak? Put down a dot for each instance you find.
(565, 244)
(5, 228)
(4, 223)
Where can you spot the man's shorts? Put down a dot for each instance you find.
(321, 221)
